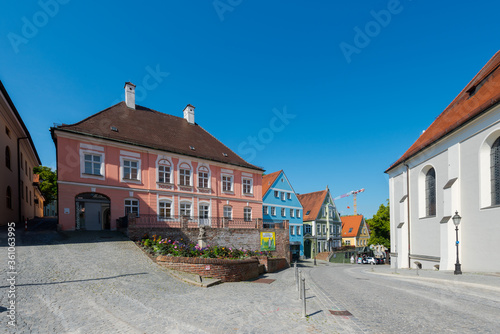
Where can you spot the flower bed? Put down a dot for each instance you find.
(226, 263)
(158, 246)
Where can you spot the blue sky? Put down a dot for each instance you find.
(357, 81)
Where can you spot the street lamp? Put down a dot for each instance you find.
(456, 220)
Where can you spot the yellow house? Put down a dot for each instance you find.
(355, 231)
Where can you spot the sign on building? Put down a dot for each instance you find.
(267, 241)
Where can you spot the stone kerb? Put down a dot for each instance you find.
(225, 270)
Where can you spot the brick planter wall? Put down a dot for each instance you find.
(228, 237)
(273, 264)
(226, 270)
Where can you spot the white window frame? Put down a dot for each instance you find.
(265, 209)
(299, 230)
(318, 229)
(289, 195)
(297, 213)
(292, 230)
(308, 228)
(205, 170)
(283, 212)
(292, 213)
(82, 164)
(184, 166)
(122, 169)
(247, 214)
(276, 194)
(283, 196)
(132, 205)
(200, 206)
(248, 187)
(165, 163)
(183, 209)
(331, 228)
(171, 207)
(225, 178)
(228, 212)
(273, 211)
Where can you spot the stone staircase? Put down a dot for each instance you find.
(324, 256)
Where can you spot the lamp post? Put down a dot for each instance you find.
(456, 220)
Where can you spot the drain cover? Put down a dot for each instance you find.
(264, 280)
(340, 312)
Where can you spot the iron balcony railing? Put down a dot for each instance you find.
(176, 221)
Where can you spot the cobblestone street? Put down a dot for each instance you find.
(102, 283)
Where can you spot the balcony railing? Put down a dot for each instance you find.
(175, 221)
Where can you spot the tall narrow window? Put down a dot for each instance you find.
(495, 172)
(203, 177)
(430, 193)
(165, 210)
(185, 175)
(164, 172)
(265, 209)
(7, 157)
(247, 186)
(227, 183)
(185, 209)
(247, 213)
(130, 169)
(204, 211)
(228, 212)
(9, 198)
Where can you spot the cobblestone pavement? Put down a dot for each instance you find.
(102, 283)
(407, 301)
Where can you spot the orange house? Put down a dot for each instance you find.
(355, 231)
(131, 159)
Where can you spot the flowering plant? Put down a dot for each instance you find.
(161, 246)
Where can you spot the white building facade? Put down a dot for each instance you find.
(453, 167)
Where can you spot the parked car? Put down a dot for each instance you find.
(380, 260)
(371, 260)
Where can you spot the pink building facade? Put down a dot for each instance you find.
(108, 167)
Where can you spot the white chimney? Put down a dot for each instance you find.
(130, 95)
(189, 114)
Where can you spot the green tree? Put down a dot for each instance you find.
(48, 182)
(380, 227)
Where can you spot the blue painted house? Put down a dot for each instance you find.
(281, 203)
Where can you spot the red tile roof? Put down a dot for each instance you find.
(312, 203)
(152, 129)
(477, 97)
(268, 180)
(349, 222)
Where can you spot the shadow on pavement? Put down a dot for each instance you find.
(43, 231)
(76, 281)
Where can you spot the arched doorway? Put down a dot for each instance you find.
(92, 212)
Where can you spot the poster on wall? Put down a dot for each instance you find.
(267, 241)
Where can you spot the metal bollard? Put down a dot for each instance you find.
(300, 285)
(296, 275)
(303, 285)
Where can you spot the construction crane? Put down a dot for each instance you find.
(354, 193)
